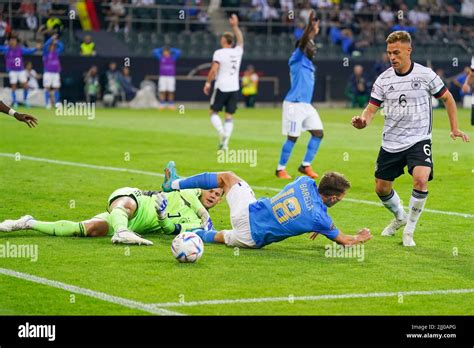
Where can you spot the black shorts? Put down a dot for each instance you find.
(221, 99)
(390, 165)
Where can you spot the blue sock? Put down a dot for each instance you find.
(204, 181)
(46, 97)
(13, 97)
(25, 94)
(313, 146)
(56, 97)
(206, 236)
(286, 152)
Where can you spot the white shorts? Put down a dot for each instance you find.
(239, 198)
(16, 76)
(299, 117)
(166, 84)
(51, 80)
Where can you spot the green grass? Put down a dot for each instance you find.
(296, 266)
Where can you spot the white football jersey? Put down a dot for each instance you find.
(229, 59)
(407, 106)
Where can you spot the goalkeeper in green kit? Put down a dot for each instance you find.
(131, 211)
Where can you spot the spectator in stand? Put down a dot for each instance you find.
(92, 85)
(4, 30)
(382, 64)
(113, 90)
(250, 86)
(52, 26)
(270, 13)
(346, 16)
(417, 16)
(32, 76)
(44, 8)
(126, 83)
(299, 30)
(27, 11)
(402, 25)
(387, 16)
(358, 90)
(87, 47)
(167, 80)
(115, 12)
(305, 12)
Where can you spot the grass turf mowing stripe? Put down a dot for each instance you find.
(312, 298)
(264, 188)
(91, 293)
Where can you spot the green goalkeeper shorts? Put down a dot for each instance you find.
(144, 220)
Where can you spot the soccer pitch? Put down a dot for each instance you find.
(67, 167)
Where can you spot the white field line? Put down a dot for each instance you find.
(91, 293)
(264, 188)
(312, 298)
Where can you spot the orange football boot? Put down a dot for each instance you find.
(282, 174)
(307, 170)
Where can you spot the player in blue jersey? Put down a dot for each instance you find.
(301, 207)
(298, 113)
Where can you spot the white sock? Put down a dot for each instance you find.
(228, 127)
(217, 123)
(280, 167)
(392, 203)
(417, 203)
(175, 184)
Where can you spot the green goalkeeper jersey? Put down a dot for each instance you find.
(182, 209)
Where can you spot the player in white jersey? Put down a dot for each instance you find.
(466, 88)
(405, 89)
(225, 70)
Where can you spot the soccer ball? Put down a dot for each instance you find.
(187, 247)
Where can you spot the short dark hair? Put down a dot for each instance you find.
(333, 183)
(229, 37)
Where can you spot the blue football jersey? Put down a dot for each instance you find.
(297, 209)
(302, 78)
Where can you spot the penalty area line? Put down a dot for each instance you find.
(263, 188)
(290, 299)
(90, 293)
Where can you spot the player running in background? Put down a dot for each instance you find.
(466, 88)
(298, 113)
(405, 89)
(31, 121)
(301, 207)
(225, 70)
(167, 80)
(131, 210)
(52, 68)
(14, 63)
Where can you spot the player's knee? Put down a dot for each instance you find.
(126, 203)
(382, 188)
(292, 139)
(317, 133)
(420, 183)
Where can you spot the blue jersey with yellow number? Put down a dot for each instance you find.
(302, 78)
(297, 209)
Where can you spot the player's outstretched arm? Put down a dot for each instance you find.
(234, 23)
(364, 120)
(28, 119)
(311, 30)
(361, 237)
(451, 108)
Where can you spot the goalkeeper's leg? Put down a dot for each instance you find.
(63, 228)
